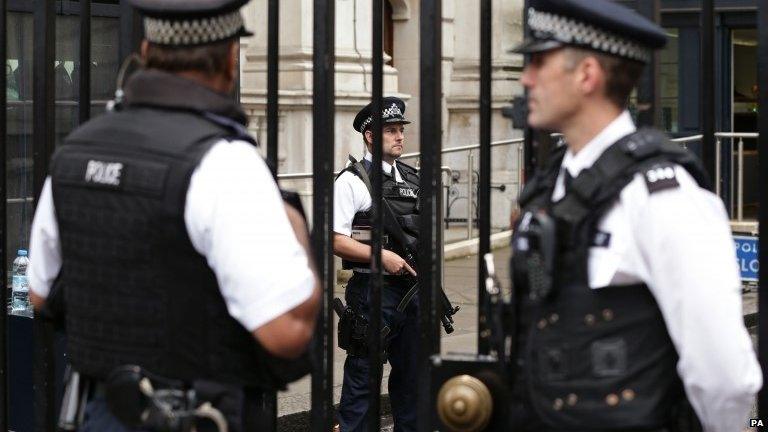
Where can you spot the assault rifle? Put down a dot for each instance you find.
(407, 244)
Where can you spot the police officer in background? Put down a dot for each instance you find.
(351, 242)
(629, 306)
(167, 234)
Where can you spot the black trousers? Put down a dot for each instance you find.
(402, 347)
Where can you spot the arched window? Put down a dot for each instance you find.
(388, 28)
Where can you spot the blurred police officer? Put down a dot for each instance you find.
(167, 232)
(351, 242)
(629, 295)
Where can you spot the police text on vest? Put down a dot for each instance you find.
(106, 173)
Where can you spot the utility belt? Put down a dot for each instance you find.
(353, 331)
(367, 271)
(141, 400)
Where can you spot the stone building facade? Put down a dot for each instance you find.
(461, 87)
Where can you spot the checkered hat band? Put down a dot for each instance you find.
(392, 111)
(192, 31)
(572, 32)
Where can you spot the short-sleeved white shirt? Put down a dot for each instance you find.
(235, 218)
(350, 196)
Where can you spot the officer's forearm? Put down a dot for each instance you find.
(289, 334)
(37, 301)
(347, 248)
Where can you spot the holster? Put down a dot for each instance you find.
(353, 331)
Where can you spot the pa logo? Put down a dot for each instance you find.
(755, 423)
(660, 173)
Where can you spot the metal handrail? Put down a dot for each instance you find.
(688, 139)
(737, 134)
(447, 169)
(740, 164)
(737, 163)
(470, 147)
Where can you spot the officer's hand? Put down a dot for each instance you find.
(394, 263)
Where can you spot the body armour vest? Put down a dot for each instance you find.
(136, 290)
(402, 197)
(591, 359)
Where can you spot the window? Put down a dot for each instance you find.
(18, 68)
(668, 83)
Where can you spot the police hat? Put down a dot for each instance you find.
(191, 22)
(393, 112)
(599, 25)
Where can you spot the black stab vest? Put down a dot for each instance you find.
(596, 359)
(403, 198)
(136, 290)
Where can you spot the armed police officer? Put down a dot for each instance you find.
(628, 294)
(352, 233)
(163, 226)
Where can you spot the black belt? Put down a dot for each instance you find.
(258, 409)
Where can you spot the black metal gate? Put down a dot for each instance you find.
(45, 109)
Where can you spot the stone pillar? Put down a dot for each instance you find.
(462, 100)
(353, 78)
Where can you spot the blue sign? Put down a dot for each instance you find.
(746, 256)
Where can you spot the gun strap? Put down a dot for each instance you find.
(363, 174)
(407, 298)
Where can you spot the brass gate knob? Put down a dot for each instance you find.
(464, 404)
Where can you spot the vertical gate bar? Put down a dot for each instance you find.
(375, 281)
(273, 52)
(484, 186)
(441, 206)
(718, 167)
(44, 50)
(740, 183)
(430, 137)
(732, 184)
(131, 30)
(708, 85)
(85, 61)
(4, 396)
(520, 169)
(762, 145)
(470, 186)
(323, 58)
(528, 164)
(647, 95)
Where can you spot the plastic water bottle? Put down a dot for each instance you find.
(20, 304)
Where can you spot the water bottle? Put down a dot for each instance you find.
(20, 304)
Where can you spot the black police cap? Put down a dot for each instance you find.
(599, 25)
(393, 111)
(190, 23)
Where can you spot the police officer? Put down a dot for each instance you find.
(167, 234)
(629, 299)
(351, 242)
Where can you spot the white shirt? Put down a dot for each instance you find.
(235, 218)
(350, 196)
(678, 241)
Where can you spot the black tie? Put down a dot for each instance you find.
(567, 180)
